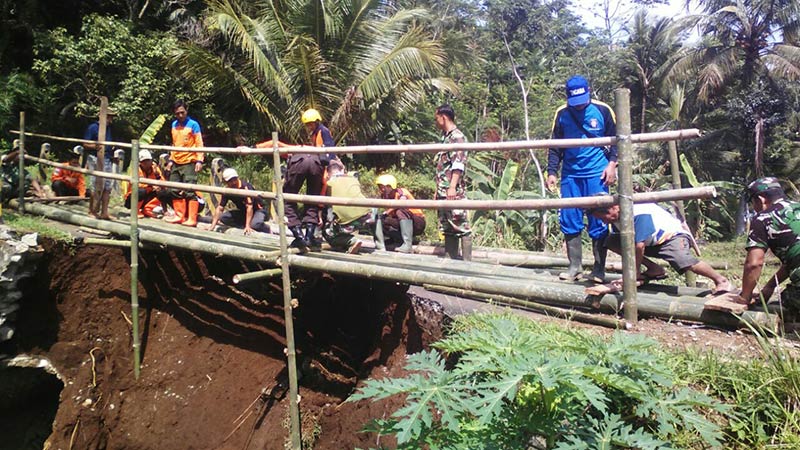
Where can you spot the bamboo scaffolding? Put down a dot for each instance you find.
(681, 308)
(543, 144)
(568, 314)
(657, 305)
(259, 275)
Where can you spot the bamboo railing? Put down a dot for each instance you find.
(479, 282)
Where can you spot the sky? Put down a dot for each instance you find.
(585, 8)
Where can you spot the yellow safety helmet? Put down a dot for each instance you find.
(387, 180)
(311, 115)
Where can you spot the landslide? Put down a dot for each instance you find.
(213, 370)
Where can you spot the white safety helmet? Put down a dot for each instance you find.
(229, 174)
(144, 155)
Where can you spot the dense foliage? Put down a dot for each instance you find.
(378, 69)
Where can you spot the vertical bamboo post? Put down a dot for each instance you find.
(21, 156)
(99, 182)
(294, 410)
(625, 147)
(135, 255)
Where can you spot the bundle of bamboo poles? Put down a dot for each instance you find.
(486, 279)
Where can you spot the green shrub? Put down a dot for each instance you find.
(518, 384)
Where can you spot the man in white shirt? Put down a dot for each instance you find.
(658, 234)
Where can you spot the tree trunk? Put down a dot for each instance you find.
(758, 159)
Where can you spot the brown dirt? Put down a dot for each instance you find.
(209, 349)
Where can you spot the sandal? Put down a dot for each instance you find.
(723, 288)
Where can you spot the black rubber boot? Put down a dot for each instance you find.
(575, 256)
(407, 233)
(299, 241)
(466, 247)
(451, 246)
(312, 242)
(600, 252)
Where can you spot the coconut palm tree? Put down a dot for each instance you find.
(745, 42)
(359, 62)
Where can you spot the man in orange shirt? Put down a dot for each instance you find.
(402, 223)
(184, 165)
(67, 182)
(151, 198)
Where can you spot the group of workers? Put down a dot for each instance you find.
(584, 171)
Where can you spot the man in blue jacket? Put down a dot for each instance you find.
(585, 171)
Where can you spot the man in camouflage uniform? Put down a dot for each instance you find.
(451, 169)
(775, 227)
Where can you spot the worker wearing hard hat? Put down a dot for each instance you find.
(65, 182)
(250, 212)
(151, 198)
(400, 224)
(308, 169)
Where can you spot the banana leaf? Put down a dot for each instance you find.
(153, 129)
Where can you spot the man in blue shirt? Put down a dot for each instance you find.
(585, 171)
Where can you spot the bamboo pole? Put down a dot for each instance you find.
(21, 162)
(99, 182)
(518, 258)
(294, 407)
(106, 242)
(261, 274)
(530, 204)
(690, 133)
(630, 270)
(568, 314)
(134, 240)
(70, 198)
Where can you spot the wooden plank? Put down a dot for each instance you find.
(725, 303)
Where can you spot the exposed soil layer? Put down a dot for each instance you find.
(209, 350)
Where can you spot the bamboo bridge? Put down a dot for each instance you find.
(516, 279)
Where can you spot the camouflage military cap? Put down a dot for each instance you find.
(763, 185)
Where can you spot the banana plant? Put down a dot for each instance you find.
(504, 228)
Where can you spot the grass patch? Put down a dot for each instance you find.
(34, 224)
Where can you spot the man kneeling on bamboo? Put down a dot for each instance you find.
(151, 198)
(658, 234)
(342, 222)
(249, 213)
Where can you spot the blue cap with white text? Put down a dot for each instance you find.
(577, 91)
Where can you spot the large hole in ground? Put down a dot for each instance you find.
(28, 405)
(213, 366)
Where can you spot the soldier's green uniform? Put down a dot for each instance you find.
(453, 222)
(778, 229)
